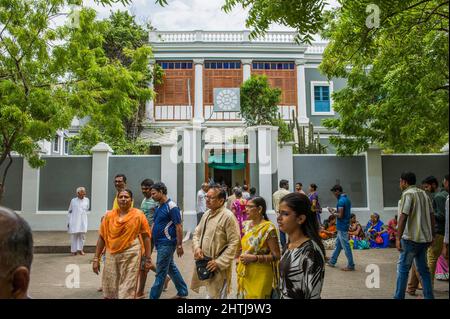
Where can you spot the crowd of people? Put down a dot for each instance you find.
(284, 260)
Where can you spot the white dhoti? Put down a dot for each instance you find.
(77, 223)
(77, 242)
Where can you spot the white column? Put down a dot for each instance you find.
(285, 158)
(150, 104)
(169, 168)
(246, 69)
(267, 141)
(198, 105)
(192, 145)
(374, 180)
(99, 185)
(30, 189)
(301, 91)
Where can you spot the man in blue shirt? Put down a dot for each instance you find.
(167, 234)
(342, 212)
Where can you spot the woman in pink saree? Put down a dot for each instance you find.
(238, 209)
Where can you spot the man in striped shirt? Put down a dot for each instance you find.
(415, 234)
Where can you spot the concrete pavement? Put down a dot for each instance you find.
(52, 274)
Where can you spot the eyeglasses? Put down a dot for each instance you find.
(210, 198)
(250, 206)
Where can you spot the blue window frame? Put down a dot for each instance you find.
(322, 99)
(222, 65)
(175, 65)
(273, 65)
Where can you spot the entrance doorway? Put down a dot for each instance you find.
(223, 176)
(229, 166)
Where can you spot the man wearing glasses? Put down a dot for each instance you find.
(217, 237)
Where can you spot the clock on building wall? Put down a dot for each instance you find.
(227, 100)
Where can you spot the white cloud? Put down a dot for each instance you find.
(182, 14)
(186, 14)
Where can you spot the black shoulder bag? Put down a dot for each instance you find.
(200, 265)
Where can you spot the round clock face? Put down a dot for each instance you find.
(226, 100)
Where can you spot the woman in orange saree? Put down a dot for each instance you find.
(126, 235)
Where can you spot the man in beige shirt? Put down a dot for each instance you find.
(415, 234)
(216, 236)
(277, 196)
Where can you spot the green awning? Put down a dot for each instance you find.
(231, 161)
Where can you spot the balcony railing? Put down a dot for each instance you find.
(184, 113)
(229, 36)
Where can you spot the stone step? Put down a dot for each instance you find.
(58, 242)
(59, 249)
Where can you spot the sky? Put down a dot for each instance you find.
(183, 15)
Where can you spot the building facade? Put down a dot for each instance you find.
(197, 62)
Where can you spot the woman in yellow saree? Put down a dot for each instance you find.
(257, 268)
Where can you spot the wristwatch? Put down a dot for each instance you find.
(180, 246)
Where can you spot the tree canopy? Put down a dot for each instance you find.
(259, 101)
(397, 71)
(125, 43)
(50, 74)
(303, 15)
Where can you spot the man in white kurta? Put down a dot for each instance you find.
(77, 221)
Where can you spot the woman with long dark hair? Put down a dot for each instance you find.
(302, 266)
(257, 269)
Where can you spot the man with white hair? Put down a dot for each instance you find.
(77, 221)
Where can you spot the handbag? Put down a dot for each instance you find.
(202, 272)
(200, 265)
(379, 239)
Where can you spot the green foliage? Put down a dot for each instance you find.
(259, 101)
(284, 132)
(259, 106)
(303, 15)
(124, 46)
(48, 75)
(306, 143)
(397, 90)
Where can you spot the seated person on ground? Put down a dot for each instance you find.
(329, 229)
(356, 234)
(375, 232)
(392, 231)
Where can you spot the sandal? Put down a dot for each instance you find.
(348, 269)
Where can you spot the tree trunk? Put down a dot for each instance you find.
(5, 173)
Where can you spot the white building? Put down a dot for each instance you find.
(197, 62)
